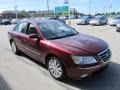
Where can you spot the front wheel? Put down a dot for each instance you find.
(56, 68)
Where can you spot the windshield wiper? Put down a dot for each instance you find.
(55, 38)
(62, 36)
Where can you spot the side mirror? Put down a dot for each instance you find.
(33, 36)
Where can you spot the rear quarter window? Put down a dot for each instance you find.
(21, 28)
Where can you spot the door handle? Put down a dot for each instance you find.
(25, 40)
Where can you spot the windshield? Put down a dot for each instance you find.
(98, 17)
(56, 30)
(84, 17)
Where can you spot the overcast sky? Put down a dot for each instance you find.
(81, 5)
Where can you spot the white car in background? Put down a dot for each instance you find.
(99, 20)
(84, 20)
(114, 21)
(15, 21)
(118, 27)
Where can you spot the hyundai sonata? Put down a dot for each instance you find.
(64, 51)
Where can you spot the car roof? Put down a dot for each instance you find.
(39, 21)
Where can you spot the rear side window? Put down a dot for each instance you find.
(21, 28)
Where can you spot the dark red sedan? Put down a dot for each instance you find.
(61, 48)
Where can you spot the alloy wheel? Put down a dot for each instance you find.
(14, 49)
(55, 68)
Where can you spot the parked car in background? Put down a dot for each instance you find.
(64, 51)
(99, 20)
(84, 20)
(118, 27)
(5, 22)
(64, 17)
(56, 18)
(24, 19)
(15, 21)
(114, 21)
(73, 17)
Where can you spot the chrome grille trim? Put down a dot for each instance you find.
(105, 55)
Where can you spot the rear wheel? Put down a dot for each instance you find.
(56, 68)
(86, 22)
(14, 48)
(100, 23)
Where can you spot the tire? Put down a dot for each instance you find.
(117, 30)
(100, 23)
(86, 23)
(56, 68)
(14, 48)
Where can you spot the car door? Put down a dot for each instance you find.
(20, 35)
(32, 44)
(103, 20)
(89, 19)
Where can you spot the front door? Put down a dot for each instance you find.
(32, 44)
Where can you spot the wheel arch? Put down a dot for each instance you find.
(62, 62)
(53, 55)
(11, 40)
(48, 56)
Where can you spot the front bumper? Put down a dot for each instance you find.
(81, 22)
(94, 23)
(79, 73)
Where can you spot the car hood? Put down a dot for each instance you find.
(81, 44)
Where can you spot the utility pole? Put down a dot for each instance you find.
(104, 8)
(69, 2)
(54, 7)
(89, 7)
(48, 7)
(110, 7)
(16, 12)
(41, 9)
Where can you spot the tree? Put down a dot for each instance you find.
(24, 14)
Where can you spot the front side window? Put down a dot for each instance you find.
(98, 18)
(31, 29)
(84, 17)
(56, 30)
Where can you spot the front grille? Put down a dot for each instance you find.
(105, 55)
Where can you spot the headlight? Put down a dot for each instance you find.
(83, 60)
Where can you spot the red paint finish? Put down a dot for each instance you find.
(79, 45)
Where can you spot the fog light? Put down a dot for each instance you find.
(85, 75)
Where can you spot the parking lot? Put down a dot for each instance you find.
(24, 73)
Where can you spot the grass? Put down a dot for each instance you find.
(115, 15)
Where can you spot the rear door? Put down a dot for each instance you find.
(20, 36)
